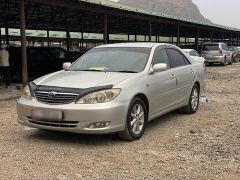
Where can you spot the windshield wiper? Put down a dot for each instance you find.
(126, 71)
(97, 70)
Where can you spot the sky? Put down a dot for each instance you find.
(223, 12)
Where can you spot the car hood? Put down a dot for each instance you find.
(82, 79)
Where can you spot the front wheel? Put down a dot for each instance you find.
(136, 121)
(193, 103)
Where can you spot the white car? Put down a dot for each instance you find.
(195, 55)
(114, 88)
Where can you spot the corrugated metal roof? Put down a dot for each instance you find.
(123, 7)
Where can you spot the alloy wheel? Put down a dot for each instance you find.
(195, 99)
(137, 119)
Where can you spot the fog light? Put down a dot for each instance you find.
(99, 125)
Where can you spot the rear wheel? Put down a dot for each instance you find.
(193, 103)
(136, 121)
(231, 62)
(224, 63)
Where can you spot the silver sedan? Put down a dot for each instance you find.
(114, 89)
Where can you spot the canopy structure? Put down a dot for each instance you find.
(106, 18)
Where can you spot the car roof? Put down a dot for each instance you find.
(214, 43)
(143, 45)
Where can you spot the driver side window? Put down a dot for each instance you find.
(161, 56)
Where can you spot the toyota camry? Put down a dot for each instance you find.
(114, 89)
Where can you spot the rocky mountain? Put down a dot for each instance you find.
(183, 8)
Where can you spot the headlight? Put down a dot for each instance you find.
(99, 97)
(26, 93)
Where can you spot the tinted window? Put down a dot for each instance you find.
(31, 55)
(58, 53)
(210, 47)
(177, 58)
(161, 57)
(42, 56)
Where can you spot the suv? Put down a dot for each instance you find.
(216, 53)
(41, 61)
(235, 53)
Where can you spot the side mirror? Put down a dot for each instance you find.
(66, 65)
(160, 67)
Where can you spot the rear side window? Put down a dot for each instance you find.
(210, 47)
(161, 56)
(177, 58)
(192, 53)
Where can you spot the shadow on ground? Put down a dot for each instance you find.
(86, 139)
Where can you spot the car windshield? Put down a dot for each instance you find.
(128, 60)
(210, 47)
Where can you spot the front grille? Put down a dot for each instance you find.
(55, 97)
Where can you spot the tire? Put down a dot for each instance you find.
(193, 103)
(134, 131)
(231, 62)
(225, 62)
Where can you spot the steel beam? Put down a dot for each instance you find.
(178, 35)
(106, 34)
(7, 34)
(23, 43)
(238, 39)
(48, 38)
(68, 38)
(150, 31)
(0, 36)
(197, 39)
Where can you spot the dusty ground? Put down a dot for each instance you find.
(176, 146)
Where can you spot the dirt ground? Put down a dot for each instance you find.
(205, 145)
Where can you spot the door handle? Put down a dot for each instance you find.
(173, 76)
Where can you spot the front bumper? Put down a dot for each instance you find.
(76, 117)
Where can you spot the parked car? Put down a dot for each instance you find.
(72, 56)
(216, 53)
(114, 88)
(235, 53)
(194, 54)
(41, 61)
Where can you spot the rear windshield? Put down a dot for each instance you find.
(210, 47)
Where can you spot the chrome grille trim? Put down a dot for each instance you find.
(58, 98)
(55, 124)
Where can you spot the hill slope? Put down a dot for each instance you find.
(183, 8)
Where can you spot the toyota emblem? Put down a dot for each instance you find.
(51, 95)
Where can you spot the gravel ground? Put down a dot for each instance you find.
(205, 145)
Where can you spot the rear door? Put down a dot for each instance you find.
(184, 74)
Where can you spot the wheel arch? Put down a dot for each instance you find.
(145, 100)
(198, 84)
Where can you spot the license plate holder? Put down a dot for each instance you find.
(47, 115)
